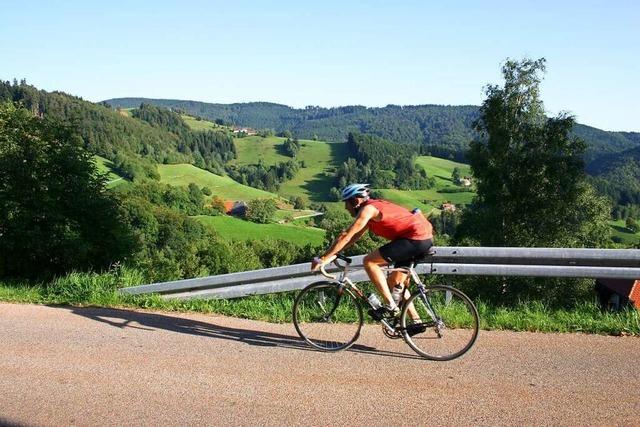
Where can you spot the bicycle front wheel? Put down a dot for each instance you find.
(441, 323)
(327, 316)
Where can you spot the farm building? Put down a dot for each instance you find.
(448, 207)
(245, 130)
(616, 294)
(237, 208)
(465, 182)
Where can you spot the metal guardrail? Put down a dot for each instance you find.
(476, 261)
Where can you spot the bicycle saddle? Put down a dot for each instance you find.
(425, 257)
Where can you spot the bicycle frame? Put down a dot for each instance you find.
(412, 275)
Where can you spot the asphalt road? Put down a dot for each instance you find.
(92, 366)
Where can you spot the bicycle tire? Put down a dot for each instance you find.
(451, 338)
(327, 317)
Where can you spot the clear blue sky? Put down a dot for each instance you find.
(329, 53)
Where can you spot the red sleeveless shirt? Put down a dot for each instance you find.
(398, 222)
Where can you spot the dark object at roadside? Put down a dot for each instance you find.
(616, 294)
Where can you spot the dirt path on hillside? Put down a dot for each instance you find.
(91, 366)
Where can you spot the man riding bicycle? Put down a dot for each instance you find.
(411, 236)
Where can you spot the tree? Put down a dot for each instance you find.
(334, 194)
(299, 203)
(291, 147)
(531, 186)
(455, 175)
(632, 225)
(261, 210)
(55, 213)
(217, 206)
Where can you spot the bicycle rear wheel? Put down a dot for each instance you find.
(327, 316)
(448, 324)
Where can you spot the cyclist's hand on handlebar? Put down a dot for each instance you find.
(318, 262)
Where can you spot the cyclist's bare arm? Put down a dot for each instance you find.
(317, 262)
(353, 233)
(355, 238)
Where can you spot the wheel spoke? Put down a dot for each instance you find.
(327, 318)
(446, 325)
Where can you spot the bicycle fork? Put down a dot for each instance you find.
(322, 299)
(437, 321)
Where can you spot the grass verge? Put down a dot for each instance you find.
(92, 289)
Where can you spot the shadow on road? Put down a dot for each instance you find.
(5, 422)
(152, 321)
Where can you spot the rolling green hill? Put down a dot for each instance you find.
(136, 140)
(428, 200)
(234, 228)
(202, 125)
(312, 181)
(225, 187)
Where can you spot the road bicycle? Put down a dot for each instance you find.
(438, 322)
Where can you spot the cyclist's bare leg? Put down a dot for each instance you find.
(373, 263)
(396, 277)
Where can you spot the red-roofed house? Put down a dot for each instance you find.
(617, 293)
(238, 208)
(448, 207)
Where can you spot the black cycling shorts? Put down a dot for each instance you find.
(401, 252)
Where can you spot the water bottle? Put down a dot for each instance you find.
(397, 293)
(374, 301)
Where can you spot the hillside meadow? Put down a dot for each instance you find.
(238, 229)
(106, 167)
(222, 186)
(322, 158)
(620, 231)
(315, 177)
(202, 125)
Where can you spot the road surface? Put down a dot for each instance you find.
(115, 367)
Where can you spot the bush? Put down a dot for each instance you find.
(261, 210)
(299, 203)
(217, 206)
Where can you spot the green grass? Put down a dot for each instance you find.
(427, 200)
(253, 149)
(105, 166)
(223, 186)
(619, 229)
(235, 228)
(536, 317)
(311, 182)
(287, 214)
(202, 125)
(441, 169)
(431, 199)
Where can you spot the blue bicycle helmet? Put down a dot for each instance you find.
(355, 190)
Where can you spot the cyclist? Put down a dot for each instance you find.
(411, 235)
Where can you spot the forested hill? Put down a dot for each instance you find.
(618, 175)
(443, 129)
(134, 144)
